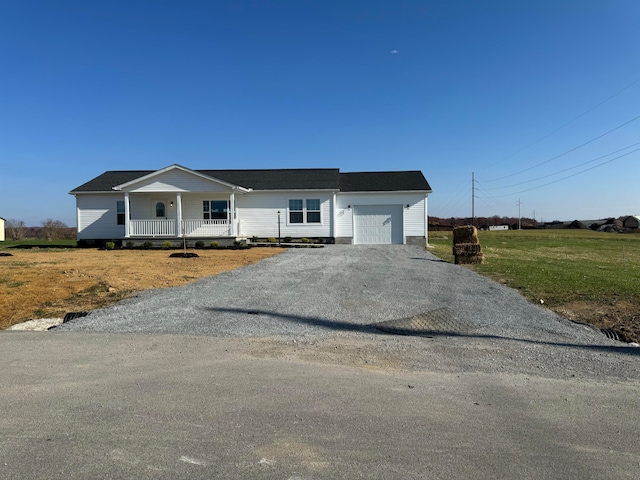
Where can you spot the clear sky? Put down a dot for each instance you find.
(520, 92)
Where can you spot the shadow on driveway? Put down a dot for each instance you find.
(372, 329)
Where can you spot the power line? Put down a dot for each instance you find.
(568, 151)
(569, 176)
(564, 170)
(589, 110)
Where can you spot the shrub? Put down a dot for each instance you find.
(110, 245)
(215, 245)
(305, 240)
(199, 244)
(271, 240)
(129, 244)
(239, 244)
(147, 245)
(287, 239)
(167, 245)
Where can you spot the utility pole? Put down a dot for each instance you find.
(473, 199)
(519, 203)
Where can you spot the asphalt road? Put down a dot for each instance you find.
(317, 393)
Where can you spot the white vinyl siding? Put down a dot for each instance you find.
(97, 217)
(258, 215)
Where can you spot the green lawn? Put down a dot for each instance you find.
(558, 266)
(37, 242)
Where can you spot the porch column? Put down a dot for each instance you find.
(127, 216)
(179, 214)
(232, 213)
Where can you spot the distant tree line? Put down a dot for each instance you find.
(49, 229)
(437, 223)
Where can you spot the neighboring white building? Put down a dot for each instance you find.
(176, 202)
(2, 237)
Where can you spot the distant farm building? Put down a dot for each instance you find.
(632, 221)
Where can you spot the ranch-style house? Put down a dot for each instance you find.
(229, 205)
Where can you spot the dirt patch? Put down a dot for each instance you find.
(622, 317)
(41, 283)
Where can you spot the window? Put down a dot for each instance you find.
(304, 210)
(296, 214)
(160, 211)
(215, 209)
(313, 210)
(120, 212)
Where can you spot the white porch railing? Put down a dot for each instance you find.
(152, 228)
(190, 228)
(206, 228)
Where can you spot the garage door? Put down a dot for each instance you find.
(377, 224)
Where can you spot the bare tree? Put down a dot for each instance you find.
(15, 229)
(53, 229)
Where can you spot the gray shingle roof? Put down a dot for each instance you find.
(383, 181)
(282, 179)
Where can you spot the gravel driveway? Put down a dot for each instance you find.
(340, 289)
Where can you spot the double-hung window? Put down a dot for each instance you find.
(215, 209)
(120, 212)
(304, 210)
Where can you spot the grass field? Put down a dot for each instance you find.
(581, 274)
(37, 242)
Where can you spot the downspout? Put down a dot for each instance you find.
(426, 220)
(334, 213)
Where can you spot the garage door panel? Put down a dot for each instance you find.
(378, 224)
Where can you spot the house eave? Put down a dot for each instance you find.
(421, 192)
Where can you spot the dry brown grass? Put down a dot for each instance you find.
(49, 283)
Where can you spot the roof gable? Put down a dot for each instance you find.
(175, 178)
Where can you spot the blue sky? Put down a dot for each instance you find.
(520, 92)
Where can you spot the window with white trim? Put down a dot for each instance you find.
(304, 210)
(215, 209)
(120, 212)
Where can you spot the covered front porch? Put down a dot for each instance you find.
(175, 215)
(182, 228)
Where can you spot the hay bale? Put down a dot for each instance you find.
(469, 259)
(467, 249)
(465, 234)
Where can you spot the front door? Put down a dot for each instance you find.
(160, 209)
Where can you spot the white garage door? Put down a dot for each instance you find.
(377, 224)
